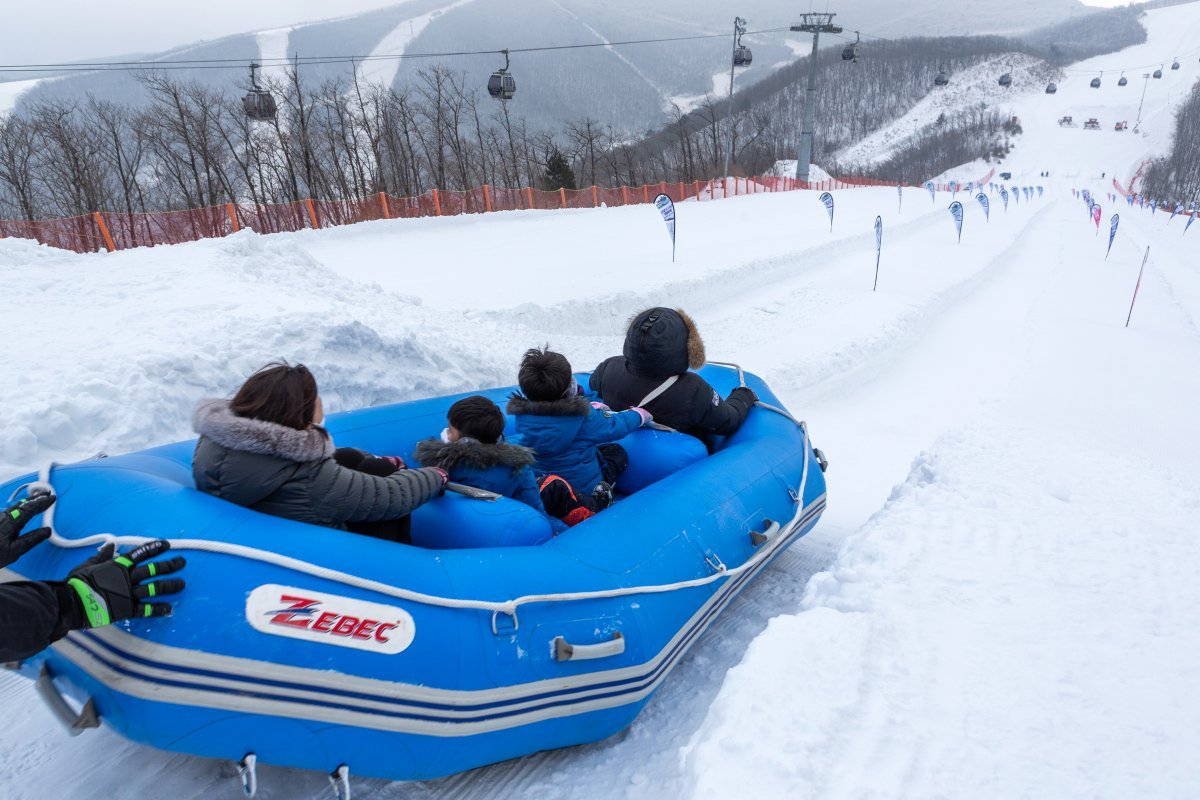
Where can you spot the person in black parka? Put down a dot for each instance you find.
(661, 344)
(266, 450)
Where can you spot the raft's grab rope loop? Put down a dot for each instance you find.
(508, 607)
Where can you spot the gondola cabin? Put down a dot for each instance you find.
(502, 85)
(258, 104)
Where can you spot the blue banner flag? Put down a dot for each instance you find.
(932, 191)
(1016, 194)
(1191, 219)
(956, 211)
(987, 210)
(667, 208)
(953, 189)
(1112, 233)
(899, 197)
(1004, 197)
(878, 248)
(1178, 210)
(827, 199)
(1041, 190)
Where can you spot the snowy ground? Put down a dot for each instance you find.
(1001, 599)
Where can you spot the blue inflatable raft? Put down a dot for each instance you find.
(308, 647)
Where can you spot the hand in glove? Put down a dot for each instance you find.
(744, 394)
(112, 588)
(16, 517)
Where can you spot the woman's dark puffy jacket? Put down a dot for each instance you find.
(291, 473)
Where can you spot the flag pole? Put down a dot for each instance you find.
(1137, 286)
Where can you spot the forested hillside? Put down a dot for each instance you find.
(1176, 177)
(189, 144)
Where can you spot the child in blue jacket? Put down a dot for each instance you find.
(472, 450)
(573, 439)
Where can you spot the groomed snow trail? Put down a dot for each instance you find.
(1012, 621)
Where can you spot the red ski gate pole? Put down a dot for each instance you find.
(1137, 286)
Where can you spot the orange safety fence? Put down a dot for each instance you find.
(113, 230)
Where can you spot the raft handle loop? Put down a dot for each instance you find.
(75, 724)
(248, 772)
(565, 651)
(505, 629)
(759, 539)
(716, 563)
(339, 779)
(730, 365)
(760, 403)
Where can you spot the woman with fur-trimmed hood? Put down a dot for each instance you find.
(661, 344)
(266, 450)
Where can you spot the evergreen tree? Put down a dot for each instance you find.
(558, 173)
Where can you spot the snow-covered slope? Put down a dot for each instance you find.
(1172, 32)
(974, 87)
(11, 91)
(1000, 600)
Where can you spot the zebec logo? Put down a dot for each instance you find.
(329, 619)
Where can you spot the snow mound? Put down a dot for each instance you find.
(140, 348)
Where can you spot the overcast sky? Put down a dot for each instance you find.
(52, 31)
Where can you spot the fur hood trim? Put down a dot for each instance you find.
(214, 420)
(697, 358)
(567, 407)
(473, 454)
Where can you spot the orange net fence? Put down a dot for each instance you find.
(112, 230)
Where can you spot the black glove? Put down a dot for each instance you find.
(16, 516)
(743, 394)
(110, 589)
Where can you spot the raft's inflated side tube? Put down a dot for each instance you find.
(314, 671)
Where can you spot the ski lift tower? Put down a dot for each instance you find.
(816, 24)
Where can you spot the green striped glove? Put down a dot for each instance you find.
(14, 519)
(111, 589)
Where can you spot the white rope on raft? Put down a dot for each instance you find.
(287, 562)
(508, 607)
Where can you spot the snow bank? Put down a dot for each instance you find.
(118, 350)
(1007, 625)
